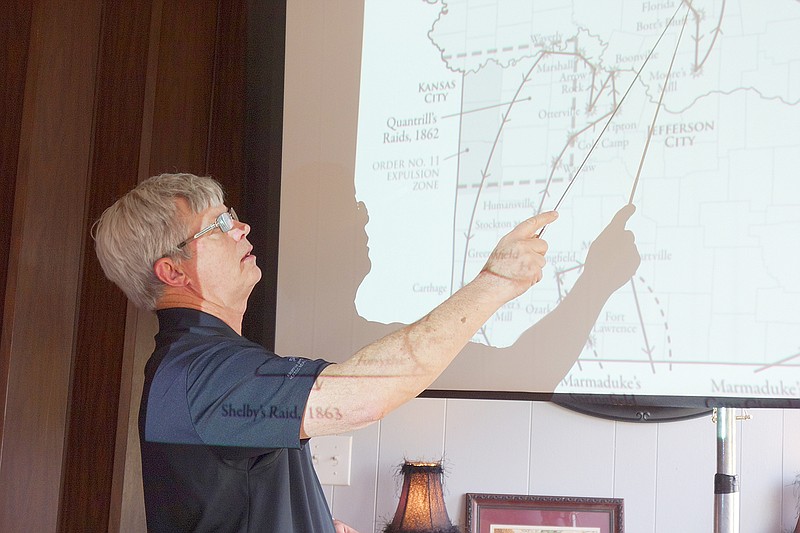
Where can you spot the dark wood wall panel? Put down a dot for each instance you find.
(44, 263)
(97, 365)
(184, 87)
(198, 121)
(96, 90)
(225, 160)
(14, 35)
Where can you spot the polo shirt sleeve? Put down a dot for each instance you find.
(246, 396)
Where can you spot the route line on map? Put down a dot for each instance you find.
(613, 113)
(501, 104)
(658, 108)
(778, 363)
(504, 120)
(698, 65)
(647, 348)
(485, 175)
(595, 98)
(483, 184)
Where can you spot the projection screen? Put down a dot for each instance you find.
(417, 133)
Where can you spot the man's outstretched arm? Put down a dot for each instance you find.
(387, 373)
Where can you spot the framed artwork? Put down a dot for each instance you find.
(511, 513)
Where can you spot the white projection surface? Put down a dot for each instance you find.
(474, 115)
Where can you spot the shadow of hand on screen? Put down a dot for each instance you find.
(544, 354)
(613, 257)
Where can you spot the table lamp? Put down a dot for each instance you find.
(421, 507)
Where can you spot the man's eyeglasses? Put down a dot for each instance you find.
(224, 222)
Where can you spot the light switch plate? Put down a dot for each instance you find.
(331, 458)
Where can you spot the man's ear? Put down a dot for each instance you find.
(170, 272)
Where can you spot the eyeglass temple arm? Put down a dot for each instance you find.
(199, 234)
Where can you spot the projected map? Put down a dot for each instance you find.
(476, 115)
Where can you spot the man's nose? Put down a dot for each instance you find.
(240, 230)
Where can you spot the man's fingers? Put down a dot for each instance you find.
(622, 216)
(341, 527)
(530, 227)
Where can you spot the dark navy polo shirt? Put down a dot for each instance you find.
(219, 426)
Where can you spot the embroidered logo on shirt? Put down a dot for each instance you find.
(296, 368)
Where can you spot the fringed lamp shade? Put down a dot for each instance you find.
(421, 508)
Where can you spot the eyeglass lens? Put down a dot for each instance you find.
(225, 220)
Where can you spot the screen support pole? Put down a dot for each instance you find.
(726, 482)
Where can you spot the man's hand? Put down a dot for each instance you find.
(341, 527)
(519, 256)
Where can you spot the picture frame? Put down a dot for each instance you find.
(513, 513)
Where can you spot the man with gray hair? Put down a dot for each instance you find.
(222, 420)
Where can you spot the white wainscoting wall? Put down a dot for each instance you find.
(664, 471)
